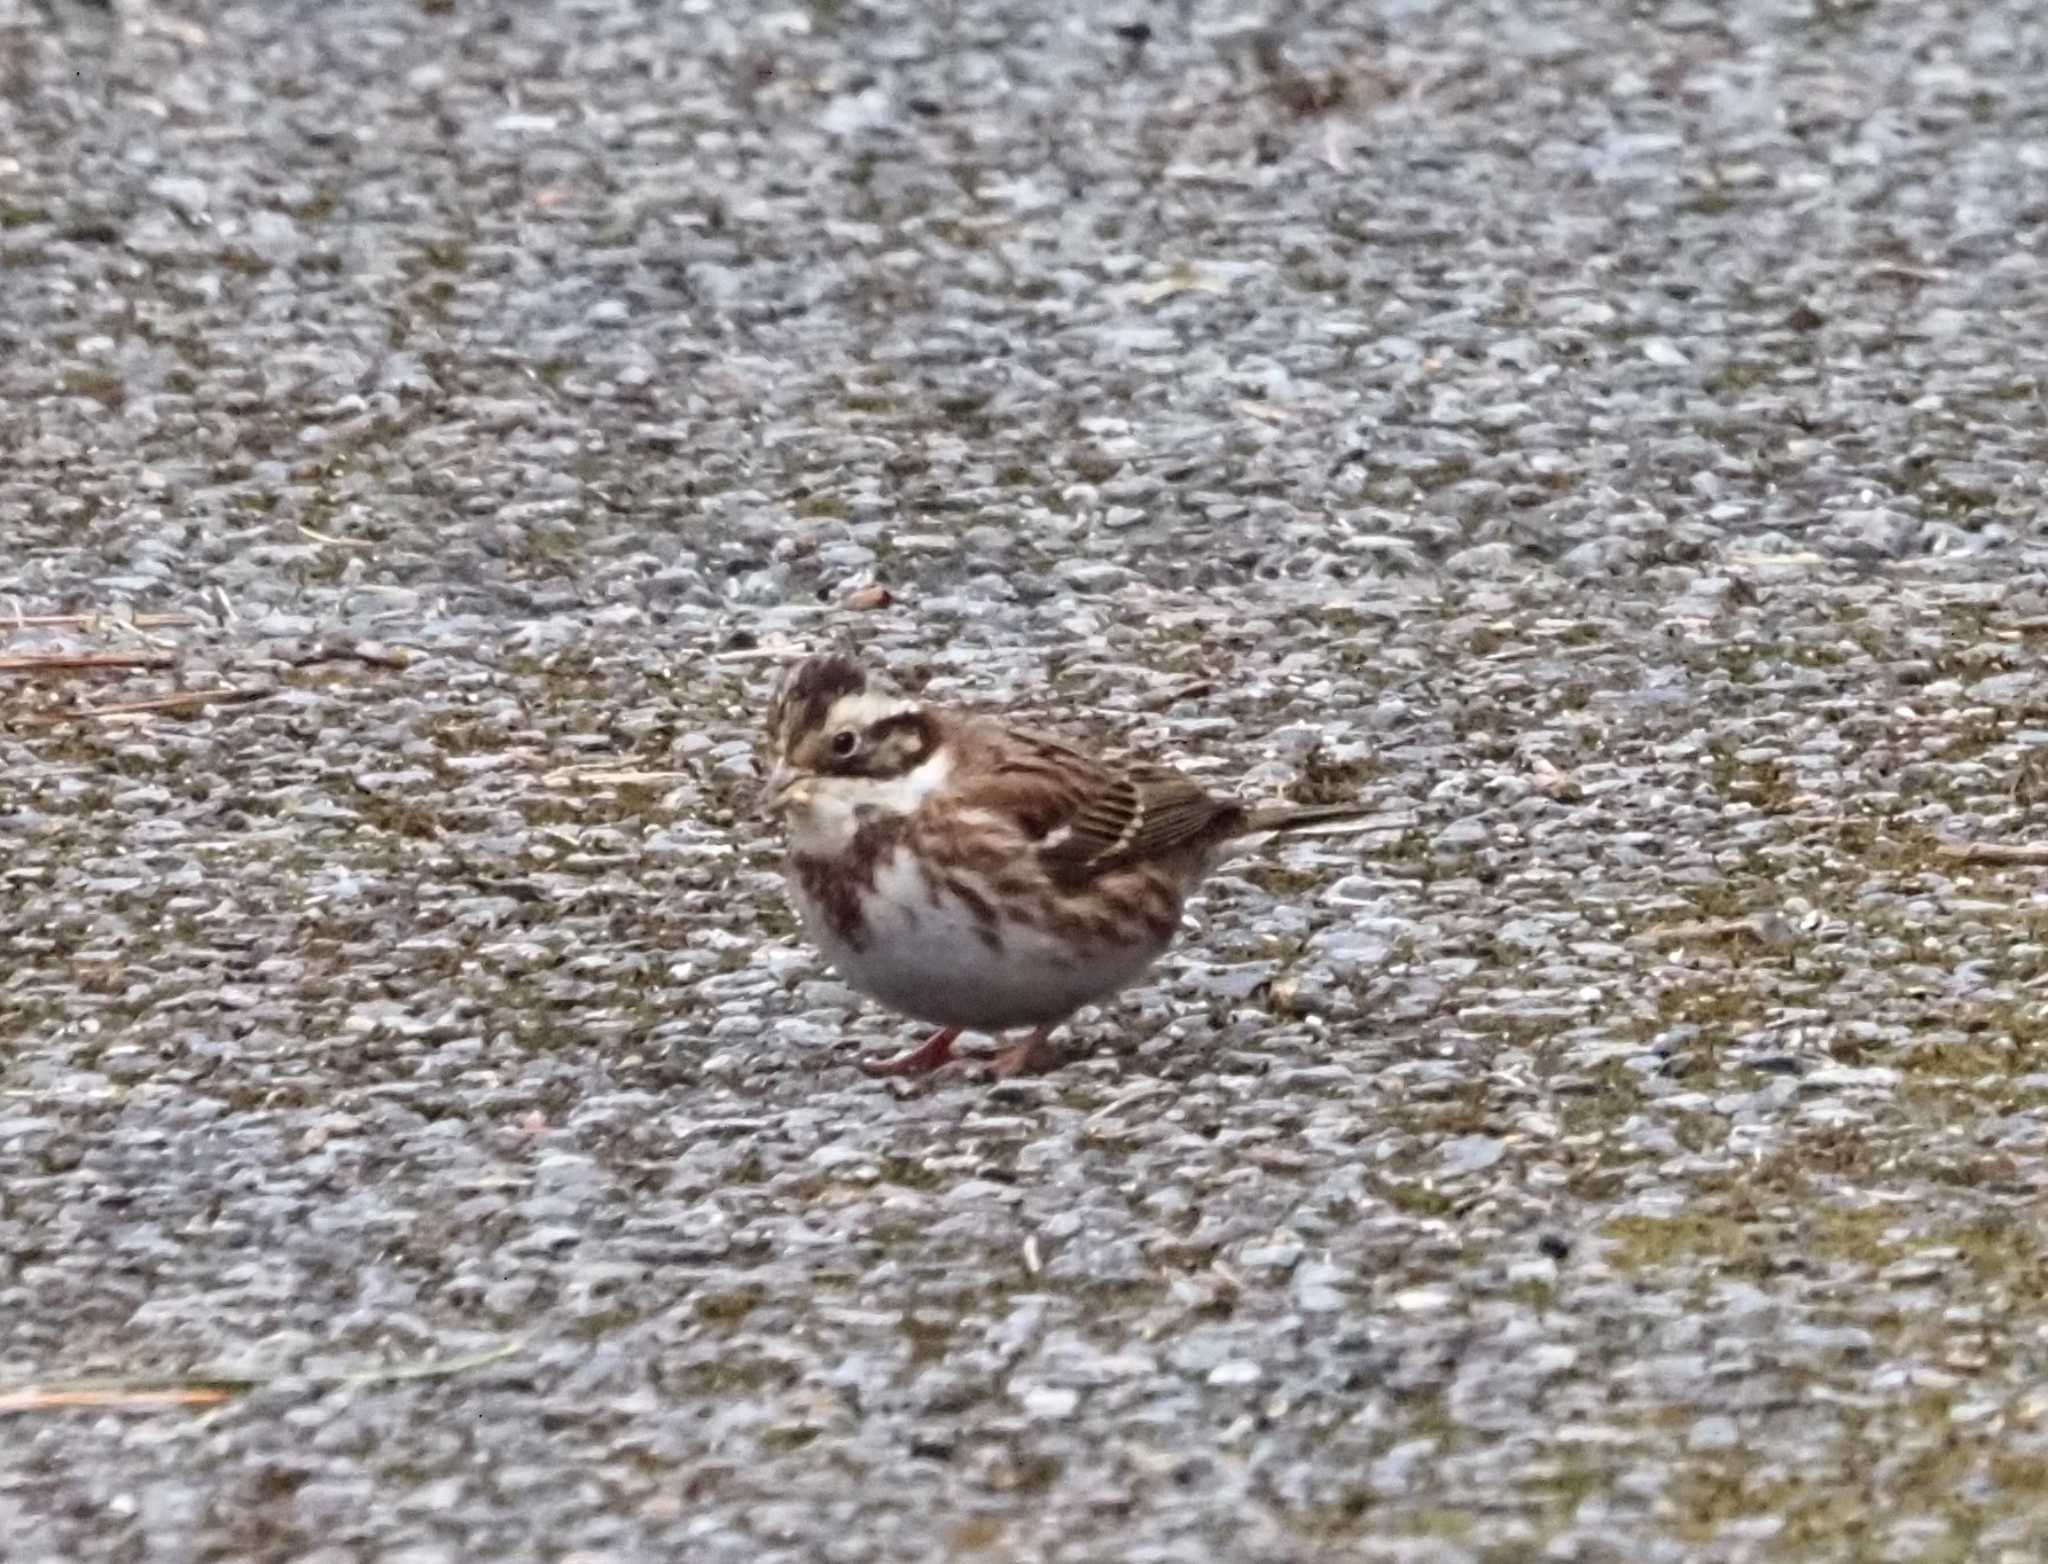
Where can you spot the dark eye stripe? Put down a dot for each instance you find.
(890, 747)
(914, 723)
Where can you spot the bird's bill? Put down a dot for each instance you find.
(785, 786)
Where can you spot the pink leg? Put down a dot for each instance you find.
(1034, 1056)
(926, 1057)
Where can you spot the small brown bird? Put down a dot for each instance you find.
(979, 876)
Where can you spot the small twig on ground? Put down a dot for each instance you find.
(328, 537)
(115, 1398)
(159, 1395)
(1995, 852)
(605, 776)
(182, 701)
(1766, 928)
(37, 662)
(1143, 1093)
(436, 1368)
(754, 654)
(63, 621)
(1164, 699)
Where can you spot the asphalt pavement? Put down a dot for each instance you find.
(1606, 441)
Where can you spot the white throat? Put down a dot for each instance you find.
(824, 825)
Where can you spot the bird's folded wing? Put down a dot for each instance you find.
(1088, 818)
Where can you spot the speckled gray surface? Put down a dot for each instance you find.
(1610, 445)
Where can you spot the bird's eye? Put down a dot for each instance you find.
(845, 742)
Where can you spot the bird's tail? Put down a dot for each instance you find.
(1307, 819)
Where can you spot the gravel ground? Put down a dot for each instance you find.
(1607, 440)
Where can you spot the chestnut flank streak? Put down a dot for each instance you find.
(839, 886)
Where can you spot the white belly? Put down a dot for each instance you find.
(923, 953)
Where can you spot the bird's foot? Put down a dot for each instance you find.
(1034, 1056)
(926, 1057)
